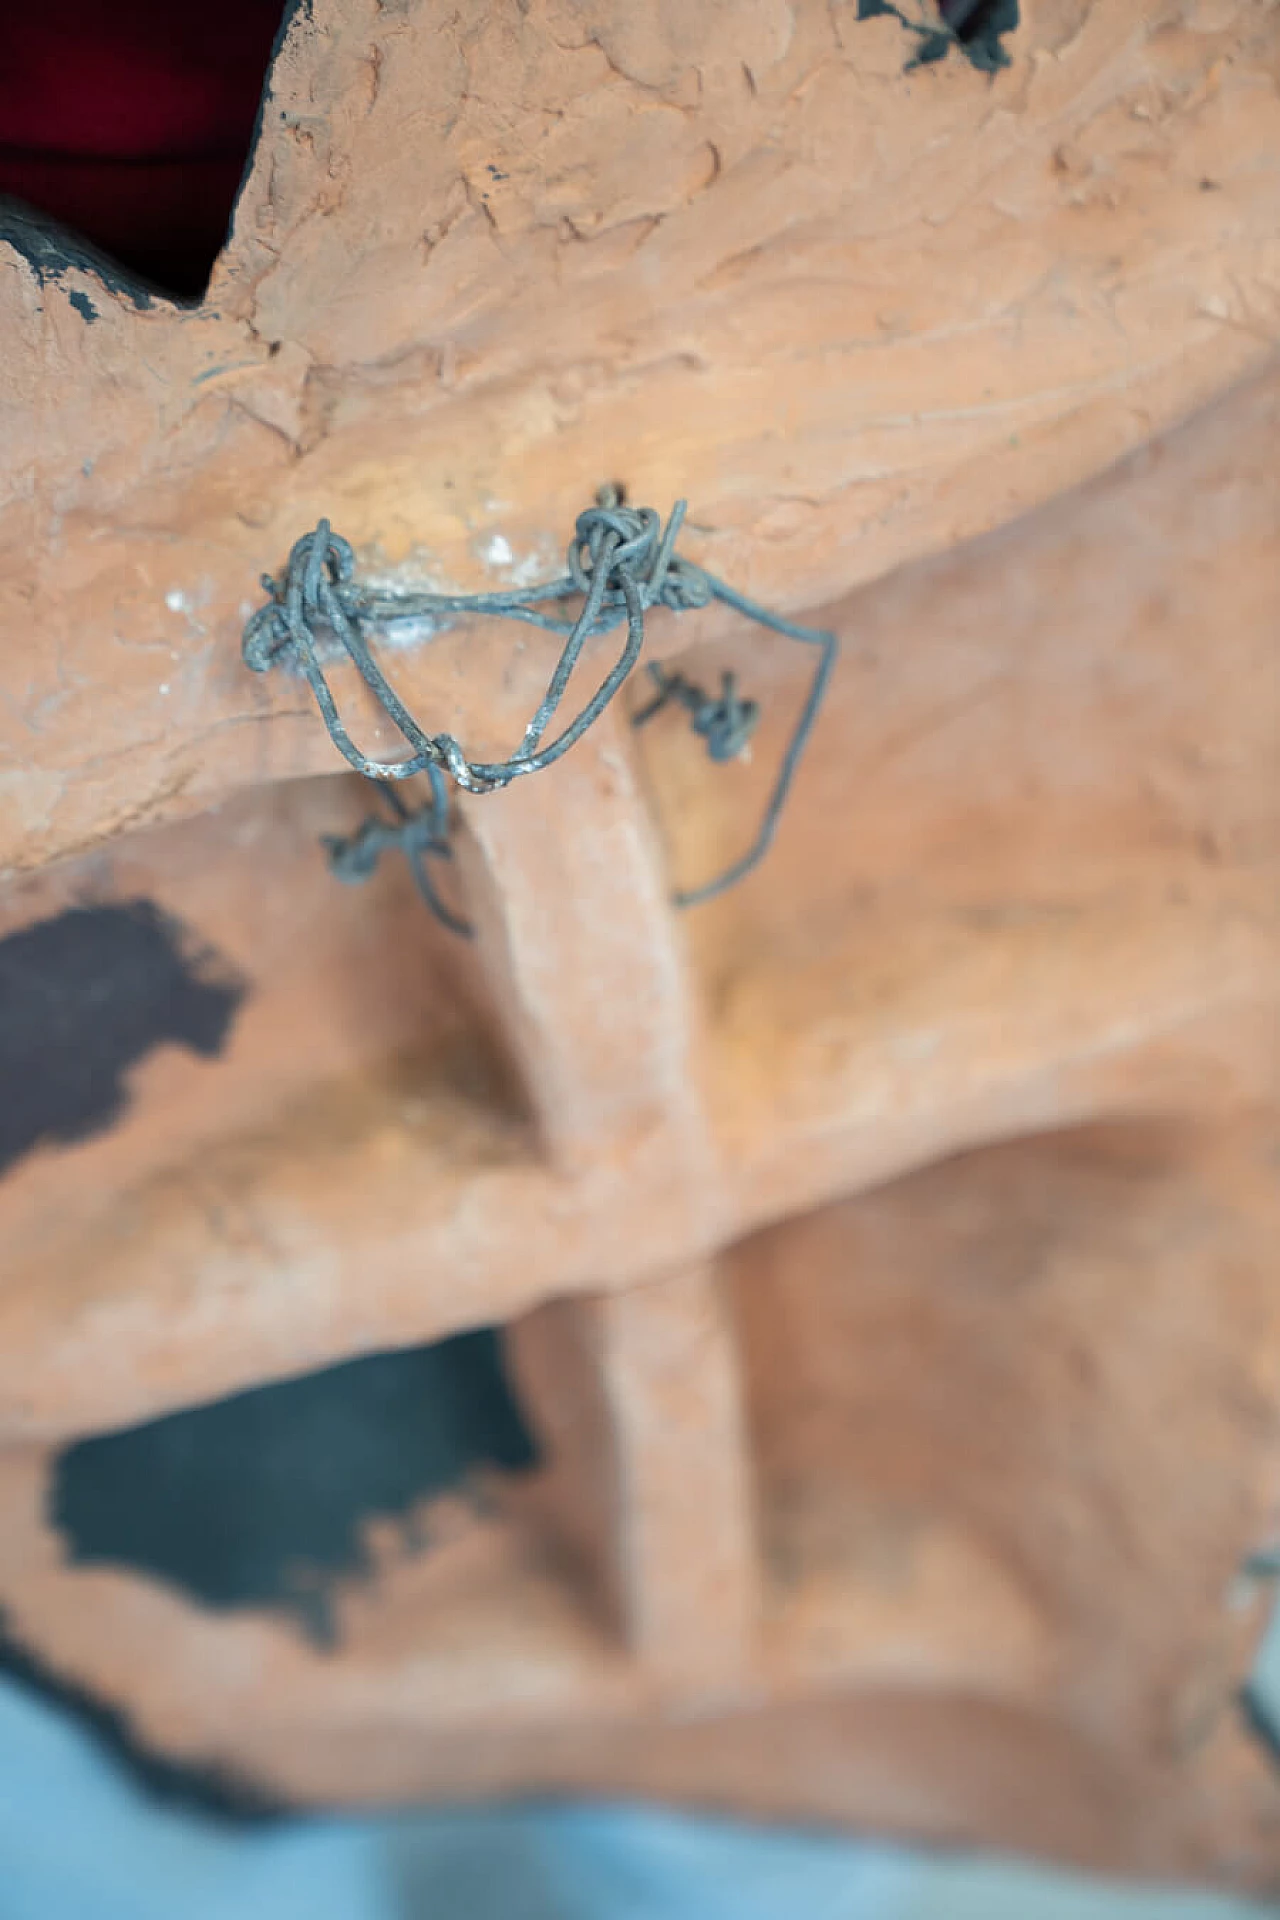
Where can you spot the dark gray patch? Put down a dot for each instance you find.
(212, 1791)
(980, 28)
(1260, 1721)
(83, 997)
(977, 28)
(83, 305)
(258, 1500)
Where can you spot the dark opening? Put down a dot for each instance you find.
(977, 28)
(130, 122)
(980, 25)
(259, 1500)
(209, 1790)
(83, 998)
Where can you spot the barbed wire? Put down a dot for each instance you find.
(725, 720)
(353, 858)
(622, 563)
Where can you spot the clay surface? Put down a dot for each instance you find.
(886, 1249)
(1026, 879)
(993, 1409)
(487, 259)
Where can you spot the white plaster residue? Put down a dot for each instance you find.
(410, 629)
(417, 573)
(535, 567)
(189, 602)
(542, 562)
(414, 574)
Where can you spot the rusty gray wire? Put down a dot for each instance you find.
(828, 644)
(725, 720)
(622, 562)
(418, 835)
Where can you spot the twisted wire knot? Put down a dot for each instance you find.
(317, 557)
(686, 587)
(318, 564)
(353, 858)
(619, 539)
(726, 721)
(266, 636)
(642, 551)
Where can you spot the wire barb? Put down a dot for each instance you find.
(354, 858)
(621, 563)
(725, 721)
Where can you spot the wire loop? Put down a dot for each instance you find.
(621, 563)
(354, 858)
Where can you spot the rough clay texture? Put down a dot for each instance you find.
(889, 1247)
(488, 257)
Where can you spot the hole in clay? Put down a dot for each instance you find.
(262, 1499)
(84, 997)
(980, 25)
(129, 123)
(977, 27)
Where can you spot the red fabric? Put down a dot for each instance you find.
(130, 121)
